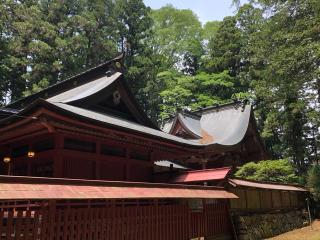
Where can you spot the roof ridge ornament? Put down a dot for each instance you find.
(116, 97)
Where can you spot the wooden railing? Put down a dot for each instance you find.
(111, 220)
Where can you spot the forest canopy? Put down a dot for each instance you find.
(268, 52)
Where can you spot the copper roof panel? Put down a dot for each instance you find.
(203, 175)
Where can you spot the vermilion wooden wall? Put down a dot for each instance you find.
(112, 220)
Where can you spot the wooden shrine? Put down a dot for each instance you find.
(81, 160)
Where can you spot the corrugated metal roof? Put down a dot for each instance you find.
(265, 185)
(23, 188)
(203, 175)
(85, 90)
(167, 163)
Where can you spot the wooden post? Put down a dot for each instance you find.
(246, 197)
(308, 204)
(127, 165)
(97, 162)
(260, 197)
(57, 157)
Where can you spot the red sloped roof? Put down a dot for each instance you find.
(32, 188)
(265, 185)
(203, 175)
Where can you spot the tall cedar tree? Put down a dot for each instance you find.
(284, 71)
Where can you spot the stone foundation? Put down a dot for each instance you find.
(265, 225)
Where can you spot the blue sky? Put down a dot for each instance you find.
(207, 10)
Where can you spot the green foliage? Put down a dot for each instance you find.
(280, 170)
(268, 52)
(177, 38)
(209, 30)
(282, 53)
(224, 48)
(191, 92)
(313, 181)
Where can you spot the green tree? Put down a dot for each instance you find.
(313, 181)
(280, 170)
(224, 48)
(183, 91)
(134, 32)
(209, 30)
(51, 40)
(4, 53)
(283, 73)
(177, 39)
(224, 54)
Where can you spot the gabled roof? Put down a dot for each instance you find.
(85, 90)
(89, 89)
(189, 122)
(225, 125)
(202, 175)
(265, 185)
(96, 118)
(116, 122)
(101, 95)
(76, 80)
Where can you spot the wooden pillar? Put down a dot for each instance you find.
(246, 197)
(97, 162)
(127, 165)
(260, 198)
(57, 156)
(30, 162)
(204, 163)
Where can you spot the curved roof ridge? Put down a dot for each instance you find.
(191, 126)
(218, 107)
(70, 82)
(85, 90)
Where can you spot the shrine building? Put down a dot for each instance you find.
(81, 160)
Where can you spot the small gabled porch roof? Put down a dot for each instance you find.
(205, 175)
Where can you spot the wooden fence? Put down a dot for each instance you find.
(251, 199)
(112, 220)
